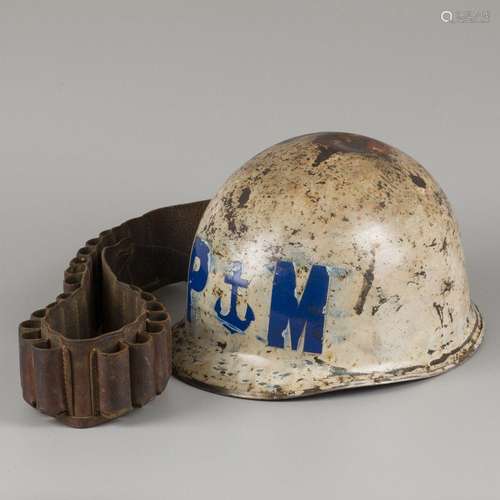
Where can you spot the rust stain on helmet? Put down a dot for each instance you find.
(330, 143)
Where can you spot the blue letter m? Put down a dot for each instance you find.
(306, 317)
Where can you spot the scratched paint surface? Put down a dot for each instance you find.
(398, 304)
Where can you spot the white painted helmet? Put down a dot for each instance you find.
(327, 261)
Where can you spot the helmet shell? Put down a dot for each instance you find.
(327, 261)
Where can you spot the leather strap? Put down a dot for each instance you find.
(105, 345)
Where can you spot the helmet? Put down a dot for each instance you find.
(327, 261)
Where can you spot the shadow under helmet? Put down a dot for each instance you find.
(327, 261)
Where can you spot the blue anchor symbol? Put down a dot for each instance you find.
(231, 320)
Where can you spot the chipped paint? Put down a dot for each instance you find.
(398, 305)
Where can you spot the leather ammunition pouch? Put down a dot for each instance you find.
(104, 346)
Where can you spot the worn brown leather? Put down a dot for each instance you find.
(104, 346)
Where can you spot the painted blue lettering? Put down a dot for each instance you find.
(197, 278)
(306, 317)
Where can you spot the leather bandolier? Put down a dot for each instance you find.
(105, 345)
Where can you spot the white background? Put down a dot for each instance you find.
(109, 109)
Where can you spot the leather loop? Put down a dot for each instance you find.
(104, 346)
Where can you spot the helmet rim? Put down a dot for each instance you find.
(348, 380)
